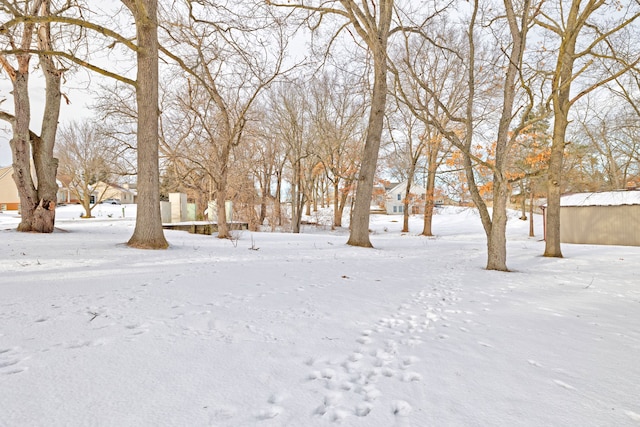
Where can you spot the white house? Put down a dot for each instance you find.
(394, 202)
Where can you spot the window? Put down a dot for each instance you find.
(3, 207)
(400, 209)
(399, 196)
(395, 209)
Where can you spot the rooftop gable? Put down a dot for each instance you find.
(8, 170)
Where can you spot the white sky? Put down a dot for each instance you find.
(76, 110)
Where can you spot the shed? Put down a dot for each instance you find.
(606, 218)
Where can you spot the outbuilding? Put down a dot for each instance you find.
(606, 218)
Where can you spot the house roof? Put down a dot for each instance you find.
(6, 170)
(402, 186)
(607, 198)
(118, 187)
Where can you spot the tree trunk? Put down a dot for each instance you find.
(561, 92)
(297, 198)
(496, 238)
(342, 202)
(20, 148)
(523, 201)
(148, 233)
(86, 204)
(531, 230)
(46, 166)
(264, 196)
(337, 212)
(496, 234)
(430, 196)
(221, 195)
(552, 238)
(316, 194)
(359, 235)
(407, 196)
(277, 208)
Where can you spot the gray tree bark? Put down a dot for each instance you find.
(148, 233)
(359, 235)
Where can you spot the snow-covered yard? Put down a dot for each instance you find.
(277, 329)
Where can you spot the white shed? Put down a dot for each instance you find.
(606, 218)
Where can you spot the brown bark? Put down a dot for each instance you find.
(46, 166)
(22, 138)
(561, 92)
(148, 233)
(337, 212)
(359, 235)
(432, 166)
(277, 208)
(21, 147)
(564, 75)
(407, 200)
(496, 233)
(221, 196)
(531, 229)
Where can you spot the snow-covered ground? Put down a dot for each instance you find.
(274, 329)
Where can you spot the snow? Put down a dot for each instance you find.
(276, 329)
(606, 198)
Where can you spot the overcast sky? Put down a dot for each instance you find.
(77, 109)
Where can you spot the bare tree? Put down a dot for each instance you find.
(426, 76)
(371, 21)
(268, 157)
(228, 66)
(37, 199)
(585, 37)
(290, 122)
(410, 149)
(86, 158)
(518, 22)
(148, 230)
(337, 107)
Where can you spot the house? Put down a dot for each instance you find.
(394, 202)
(114, 191)
(606, 218)
(9, 198)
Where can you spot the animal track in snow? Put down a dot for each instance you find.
(411, 376)
(634, 416)
(401, 408)
(9, 361)
(269, 412)
(355, 384)
(564, 385)
(363, 409)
